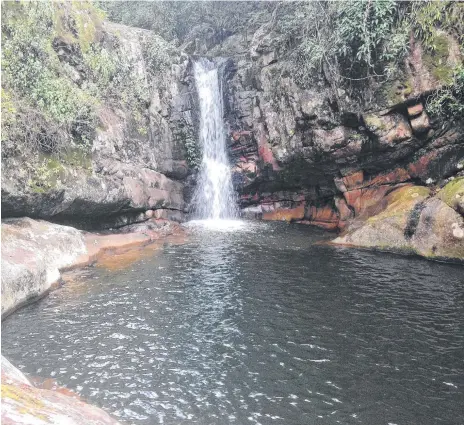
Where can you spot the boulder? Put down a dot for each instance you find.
(413, 222)
(387, 229)
(439, 232)
(453, 194)
(33, 252)
(25, 404)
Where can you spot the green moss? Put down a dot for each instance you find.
(87, 20)
(373, 122)
(48, 175)
(400, 203)
(436, 60)
(80, 158)
(453, 192)
(143, 131)
(408, 193)
(397, 91)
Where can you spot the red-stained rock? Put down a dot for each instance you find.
(322, 216)
(399, 175)
(367, 201)
(324, 225)
(325, 213)
(420, 168)
(285, 214)
(265, 152)
(415, 110)
(354, 181)
(344, 212)
(353, 199)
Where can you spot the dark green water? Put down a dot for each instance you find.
(256, 326)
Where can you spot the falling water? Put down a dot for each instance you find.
(214, 198)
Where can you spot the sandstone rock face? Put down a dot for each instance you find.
(414, 222)
(129, 169)
(22, 403)
(343, 159)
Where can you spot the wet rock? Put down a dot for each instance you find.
(33, 252)
(453, 194)
(23, 403)
(411, 222)
(285, 214)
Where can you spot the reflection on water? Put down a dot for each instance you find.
(256, 325)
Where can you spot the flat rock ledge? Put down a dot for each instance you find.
(23, 403)
(35, 252)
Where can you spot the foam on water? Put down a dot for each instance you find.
(220, 225)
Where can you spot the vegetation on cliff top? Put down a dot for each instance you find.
(349, 43)
(58, 67)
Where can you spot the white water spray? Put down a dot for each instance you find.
(214, 196)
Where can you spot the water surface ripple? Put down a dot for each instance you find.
(258, 325)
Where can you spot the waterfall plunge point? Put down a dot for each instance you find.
(214, 199)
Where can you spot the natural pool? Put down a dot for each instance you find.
(256, 325)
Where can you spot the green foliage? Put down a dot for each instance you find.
(449, 100)
(102, 65)
(157, 53)
(58, 67)
(353, 41)
(173, 20)
(47, 175)
(45, 95)
(427, 18)
(347, 41)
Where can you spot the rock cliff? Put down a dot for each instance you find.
(341, 159)
(136, 159)
(324, 153)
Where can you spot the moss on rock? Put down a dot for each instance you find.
(453, 194)
(400, 203)
(436, 61)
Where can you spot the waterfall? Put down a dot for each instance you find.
(214, 197)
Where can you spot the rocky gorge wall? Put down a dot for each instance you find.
(136, 161)
(377, 167)
(314, 155)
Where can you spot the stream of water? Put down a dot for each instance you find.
(214, 197)
(258, 325)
